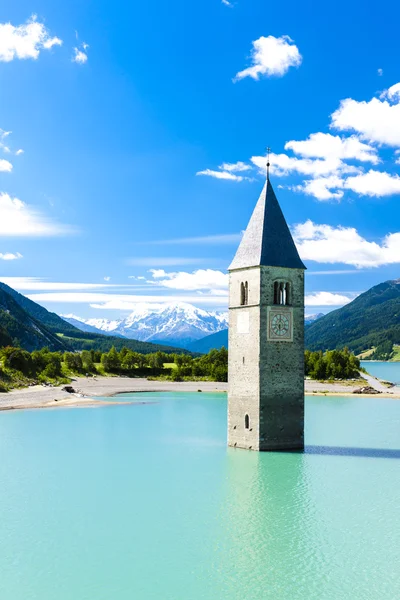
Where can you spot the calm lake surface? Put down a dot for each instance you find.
(388, 371)
(146, 502)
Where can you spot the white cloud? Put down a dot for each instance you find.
(235, 167)
(221, 175)
(25, 41)
(377, 120)
(327, 146)
(163, 261)
(380, 72)
(20, 219)
(271, 56)
(393, 93)
(374, 183)
(5, 166)
(227, 3)
(324, 158)
(19, 152)
(321, 188)
(107, 278)
(10, 256)
(202, 279)
(327, 244)
(80, 56)
(327, 299)
(283, 165)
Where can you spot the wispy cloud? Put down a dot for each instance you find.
(335, 272)
(227, 175)
(224, 238)
(271, 56)
(19, 219)
(235, 167)
(164, 261)
(124, 301)
(38, 283)
(25, 41)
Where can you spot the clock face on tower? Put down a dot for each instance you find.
(280, 327)
(280, 324)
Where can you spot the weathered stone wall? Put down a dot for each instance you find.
(282, 368)
(266, 379)
(244, 355)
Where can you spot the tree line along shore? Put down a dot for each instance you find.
(20, 368)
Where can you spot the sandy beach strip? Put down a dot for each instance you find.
(89, 390)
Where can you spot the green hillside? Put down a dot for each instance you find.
(17, 326)
(33, 327)
(369, 320)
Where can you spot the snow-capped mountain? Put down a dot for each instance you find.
(89, 325)
(175, 324)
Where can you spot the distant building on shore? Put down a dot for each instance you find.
(266, 334)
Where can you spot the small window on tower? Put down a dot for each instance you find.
(282, 293)
(246, 422)
(244, 292)
(276, 292)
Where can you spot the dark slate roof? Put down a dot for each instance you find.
(267, 240)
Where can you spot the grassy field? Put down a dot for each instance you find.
(396, 354)
(367, 353)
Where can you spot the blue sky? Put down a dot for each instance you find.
(143, 128)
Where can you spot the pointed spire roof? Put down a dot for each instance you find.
(267, 240)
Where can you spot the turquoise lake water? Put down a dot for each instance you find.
(146, 502)
(387, 371)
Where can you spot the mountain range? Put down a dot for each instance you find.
(369, 320)
(27, 324)
(178, 324)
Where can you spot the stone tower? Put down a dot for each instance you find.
(266, 334)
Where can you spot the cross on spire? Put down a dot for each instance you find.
(268, 163)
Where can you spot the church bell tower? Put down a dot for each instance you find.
(266, 334)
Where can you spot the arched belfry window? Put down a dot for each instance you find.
(244, 293)
(246, 422)
(282, 293)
